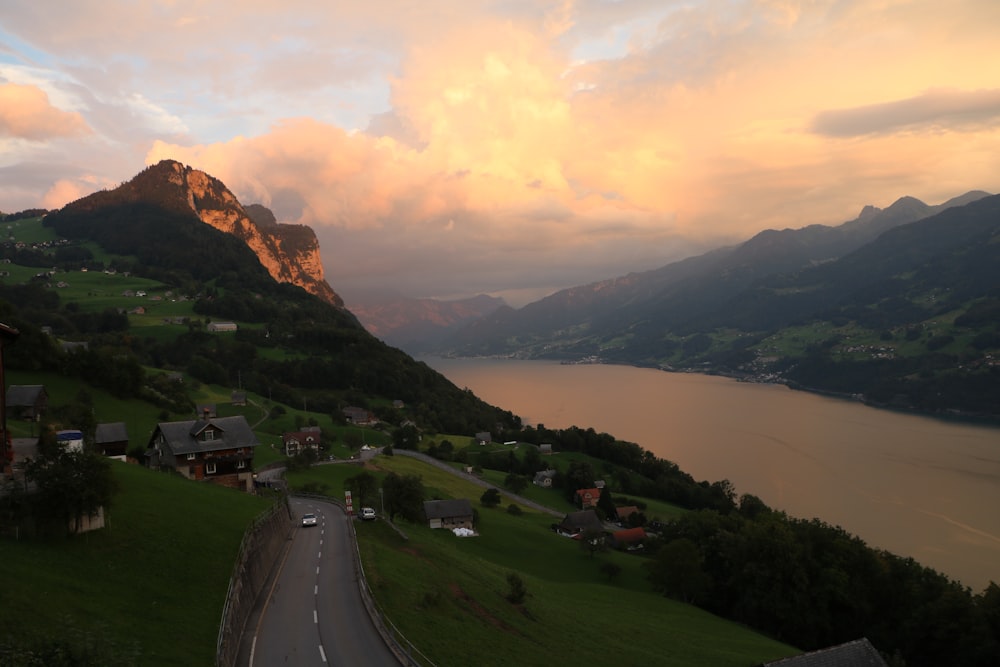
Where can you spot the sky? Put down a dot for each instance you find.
(512, 147)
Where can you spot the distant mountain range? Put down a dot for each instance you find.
(810, 306)
(421, 325)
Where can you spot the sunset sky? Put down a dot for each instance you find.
(514, 147)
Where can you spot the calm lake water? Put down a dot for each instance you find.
(915, 486)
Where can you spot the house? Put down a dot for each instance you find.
(629, 538)
(295, 442)
(544, 449)
(484, 438)
(217, 450)
(398, 404)
(575, 523)
(544, 478)
(359, 416)
(70, 346)
(206, 410)
(625, 511)
(26, 401)
(858, 653)
(238, 398)
(449, 514)
(112, 440)
(222, 326)
(588, 497)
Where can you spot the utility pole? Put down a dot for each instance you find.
(8, 334)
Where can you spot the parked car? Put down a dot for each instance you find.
(367, 514)
(308, 519)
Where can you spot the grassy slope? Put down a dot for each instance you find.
(446, 594)
(154, 580)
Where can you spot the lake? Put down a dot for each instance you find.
(915, 486)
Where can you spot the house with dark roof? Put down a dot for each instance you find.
(112, 440)
(213, 449)
(206, 410)
(625, 511)
(484, 438)
(544, 478)
(238, 397)
(577, 523)
(295, 442)
(858, 653)
(449, 514)
(359, 416)
(26, 401)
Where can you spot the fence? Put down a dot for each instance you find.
(260, 549)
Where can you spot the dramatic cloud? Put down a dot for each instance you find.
(442, 148)
(25, 113)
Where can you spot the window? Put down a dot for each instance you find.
(208, 435)
(241, 464)
(210, 468)
(190, 457)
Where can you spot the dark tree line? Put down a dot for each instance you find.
(814, 585)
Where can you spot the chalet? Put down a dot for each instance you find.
(575, 523)
(238, 398)
(858, 653)
(217, 450)
(449, 514)
(112, 440)
(588, 497)
(359, 416)
(398, 404)
(545, 449)
(26, 401)
(222, 326)
(206, 410)
(544, 478)
(484, 438)
(295, 442)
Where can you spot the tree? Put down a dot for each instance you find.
(403, 496)
(606, 505)
(406, 437)
(516, 483)
(70, 485)
(490, 498)
(516, 590)
(677, 572)
(363, 487)
(592, 541)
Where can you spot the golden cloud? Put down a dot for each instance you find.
(25, 113)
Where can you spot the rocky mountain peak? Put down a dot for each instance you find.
(289, 252)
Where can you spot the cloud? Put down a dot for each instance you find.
(505, 146)
(25, 113)
(935, 110)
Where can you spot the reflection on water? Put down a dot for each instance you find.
(916, 486)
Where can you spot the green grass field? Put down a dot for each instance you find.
(153, 582)
(447, 594)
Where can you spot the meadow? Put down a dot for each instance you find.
(448, 594)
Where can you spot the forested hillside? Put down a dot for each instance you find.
(905, 318)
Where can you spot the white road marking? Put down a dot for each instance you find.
(322, 653)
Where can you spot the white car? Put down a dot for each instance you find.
(308, 519)
(367, 514)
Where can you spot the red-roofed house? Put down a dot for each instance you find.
(630, 538)
(588, 497)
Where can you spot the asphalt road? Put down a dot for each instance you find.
(314, 614)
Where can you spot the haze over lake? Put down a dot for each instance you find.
(913, 485)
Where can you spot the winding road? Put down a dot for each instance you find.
(313, 613)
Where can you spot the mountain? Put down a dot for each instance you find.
(419, 325)
(289, 253)
(914, 280)
(186, 231)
